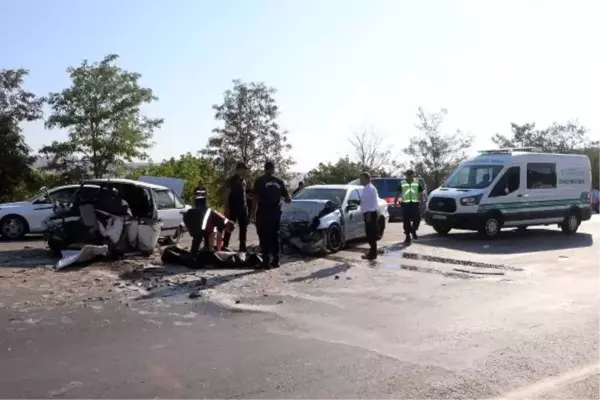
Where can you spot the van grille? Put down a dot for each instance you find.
(442, 204)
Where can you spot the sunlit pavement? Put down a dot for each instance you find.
(452, 317)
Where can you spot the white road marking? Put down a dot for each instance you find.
(553, 383)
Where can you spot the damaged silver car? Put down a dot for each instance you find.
(118, 214)
(323, 218)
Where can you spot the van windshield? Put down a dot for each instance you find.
(473, 176)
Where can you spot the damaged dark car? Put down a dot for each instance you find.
(323, 218)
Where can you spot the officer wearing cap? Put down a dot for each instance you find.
(410, 190)
(236, 204)
(193, 218)
(266, 211)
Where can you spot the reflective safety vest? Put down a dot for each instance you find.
(410, 191)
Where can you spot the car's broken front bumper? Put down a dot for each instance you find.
(301, 237)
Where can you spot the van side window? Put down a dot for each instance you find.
(508, 183)
(541, 176)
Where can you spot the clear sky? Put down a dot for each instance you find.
(337, 65)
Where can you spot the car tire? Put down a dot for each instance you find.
(380, 228)
(491, 225)
(571, 223)
(174, 238)
(334, 239)
(441, 229)
(13, 227)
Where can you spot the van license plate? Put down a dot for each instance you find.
(438, 216)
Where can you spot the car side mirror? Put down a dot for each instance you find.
(351, 207)
(41, 200)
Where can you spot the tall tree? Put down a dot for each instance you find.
(434, 154)
(101, 111)
(371, 152)
(249, 132)
(341, 172)
(16, 106)
(557, 138)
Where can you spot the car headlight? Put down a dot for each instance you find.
(471, 200)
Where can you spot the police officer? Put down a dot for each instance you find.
(266, 211)
(236, 204)
(193, 219)
(410, 190)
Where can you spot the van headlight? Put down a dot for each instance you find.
(471, 200)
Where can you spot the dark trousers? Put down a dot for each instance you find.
(197, 241)
(371, 231)
(411, 217)
(242, 221)
(267, 227)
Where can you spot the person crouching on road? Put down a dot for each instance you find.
(193, 219)
(266, 211)
(206, 224)
(368, 208)
(236, 205)
(411, 191)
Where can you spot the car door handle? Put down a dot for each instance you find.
(522, 195)
(182, 212)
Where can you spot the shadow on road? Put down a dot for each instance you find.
(509, 242)
(322, 273)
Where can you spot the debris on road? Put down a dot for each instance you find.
(86, 254)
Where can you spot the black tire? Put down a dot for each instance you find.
(174, 238)
(571, 223)
(491, 225)
(442, 229)
(380, 228)
(334, 239)
(13, 227)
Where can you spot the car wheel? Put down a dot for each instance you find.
(442, 229)
(570, 223)
(334, 238)
(13, 227)
(380, 228)
(174, 238)
(490, 226)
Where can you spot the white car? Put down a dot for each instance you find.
(325, 217)
(20, 218)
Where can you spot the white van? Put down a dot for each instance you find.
(513, 188)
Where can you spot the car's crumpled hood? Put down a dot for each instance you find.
(302, 210)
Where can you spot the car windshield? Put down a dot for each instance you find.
(335, 195)
(473, 176)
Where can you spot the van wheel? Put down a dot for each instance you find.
(570, 223)
(333, 237)
(442, 229)
(490, 226)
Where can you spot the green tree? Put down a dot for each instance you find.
(16, 106)
(101, 111)
(341, 172)
(194, 170)
(557, 138)
(249, 132)
(434, 155)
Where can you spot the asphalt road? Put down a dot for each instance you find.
(445, 318)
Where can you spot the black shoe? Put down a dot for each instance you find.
(265, 264)
(407, 240)
(414, 236)
(275, 263)
(369, 257)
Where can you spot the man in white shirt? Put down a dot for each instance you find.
(368, 208)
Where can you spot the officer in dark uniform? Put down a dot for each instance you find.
(236, 205)
(193, 219)
(266, 211)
